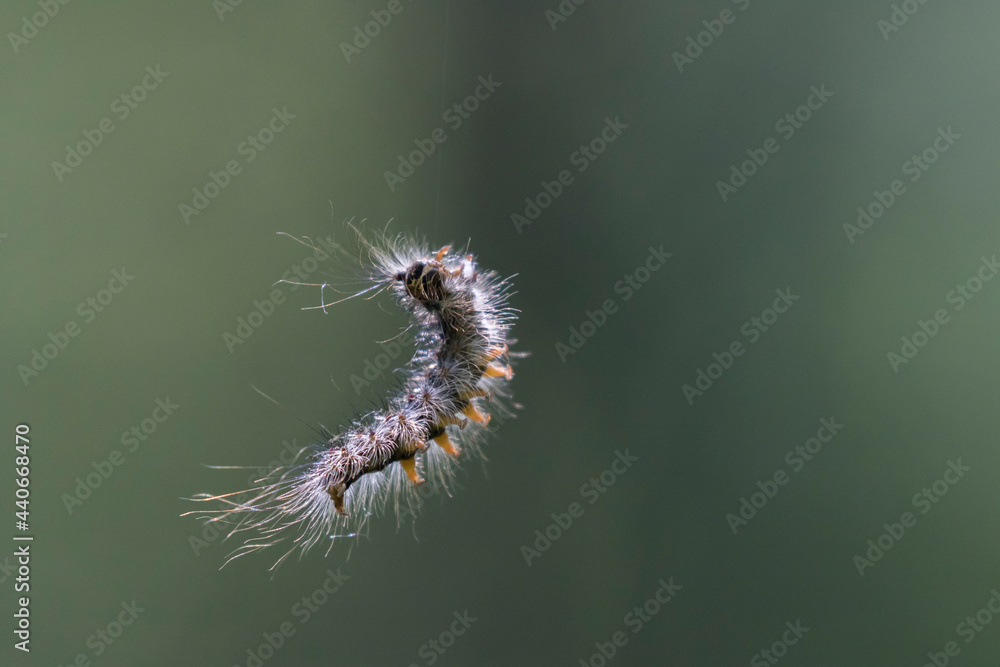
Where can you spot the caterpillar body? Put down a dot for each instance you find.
(453, 384)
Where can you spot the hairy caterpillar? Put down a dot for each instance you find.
(435, 419)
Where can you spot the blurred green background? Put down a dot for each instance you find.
(348, 115)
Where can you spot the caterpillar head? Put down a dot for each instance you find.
(424, 280)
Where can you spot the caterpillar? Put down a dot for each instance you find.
(436, 418)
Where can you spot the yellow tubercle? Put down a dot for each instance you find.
(410, 466)
(496, 371)
(444, 443)
(475, 415)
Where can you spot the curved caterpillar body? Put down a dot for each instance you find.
(435, 419)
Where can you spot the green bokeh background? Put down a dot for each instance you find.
(665, 517)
